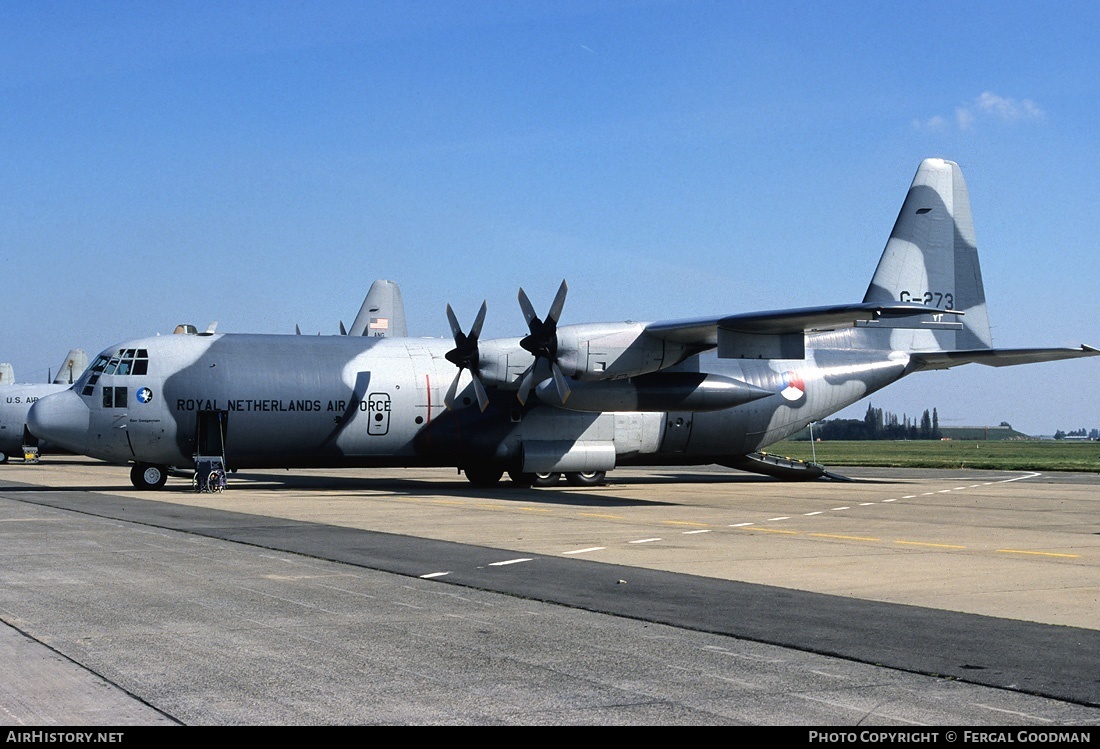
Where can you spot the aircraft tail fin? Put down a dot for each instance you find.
(932, 258)
(382, 313)
(7, 374)
(72, 367)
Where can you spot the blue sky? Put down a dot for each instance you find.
(261, 163)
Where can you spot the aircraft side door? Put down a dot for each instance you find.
(378, 410)
(210, 429)
(108, 426)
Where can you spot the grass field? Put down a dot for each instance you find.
(1031, 455)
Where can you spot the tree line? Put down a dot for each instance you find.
(1092, 434)
(877, 424)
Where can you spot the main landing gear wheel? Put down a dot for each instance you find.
(586, 478)
(546, 479)
(146, 476)
(483, 475)
(520, 478)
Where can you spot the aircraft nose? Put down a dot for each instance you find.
(60, 419)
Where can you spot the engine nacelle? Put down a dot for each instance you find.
(591, 352)
(614, 351)
(659, 391)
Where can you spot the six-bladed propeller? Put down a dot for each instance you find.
(465, 356)
(542, 343)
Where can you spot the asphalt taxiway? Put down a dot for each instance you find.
(668, 596)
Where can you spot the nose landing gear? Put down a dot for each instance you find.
(147, 476)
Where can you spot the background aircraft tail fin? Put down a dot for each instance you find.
(72, 367)
(7, 374)
(932, 258)
(382, 313)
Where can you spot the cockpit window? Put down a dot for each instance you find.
(124, 362)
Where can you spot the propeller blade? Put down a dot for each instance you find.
(449, 398)
(559, 302)
(482, 396)
(526, 384)
(560, 382)
(456, 329)
(542, 343)
(465, 355)
(528, 309)
(475, 329)
(479, 391)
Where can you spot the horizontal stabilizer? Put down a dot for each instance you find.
(995, 357)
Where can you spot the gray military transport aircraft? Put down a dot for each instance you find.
(16, 401)
(577, 400)
(381, 316)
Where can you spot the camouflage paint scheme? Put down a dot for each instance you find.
(579, 399)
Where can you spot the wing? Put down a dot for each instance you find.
(780, 334)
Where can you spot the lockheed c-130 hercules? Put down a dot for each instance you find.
(16, 401)
(577, 400)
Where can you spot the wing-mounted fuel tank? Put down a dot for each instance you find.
(658, 391)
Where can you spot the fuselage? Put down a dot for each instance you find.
(15, 404)
(301, 401)
(575, 399)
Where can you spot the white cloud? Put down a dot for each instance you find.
(936, 124)
(1007, 109)
(964, 118)
(985, 107)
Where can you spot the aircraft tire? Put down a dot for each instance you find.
(147, 476)
(587, 478)
(520, 478)
(3, 458)
(546, 479)
(483, 475)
